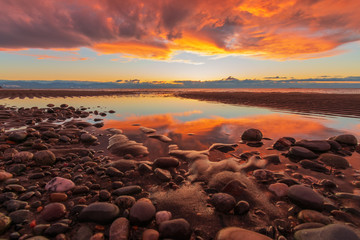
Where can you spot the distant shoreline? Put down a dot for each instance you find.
(302, 102)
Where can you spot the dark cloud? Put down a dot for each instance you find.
(276, 29)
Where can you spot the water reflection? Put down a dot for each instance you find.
(226, 129)
(201, 133)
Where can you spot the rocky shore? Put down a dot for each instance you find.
(63, 177)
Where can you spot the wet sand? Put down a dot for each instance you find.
(307, 103)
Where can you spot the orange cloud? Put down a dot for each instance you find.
(134, 49)
(59, 58)
(158, 29)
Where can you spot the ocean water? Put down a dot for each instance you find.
(142, 107)
(196, 125)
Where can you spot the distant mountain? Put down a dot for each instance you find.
(230, 82)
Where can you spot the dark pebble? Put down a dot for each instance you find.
(178, 229)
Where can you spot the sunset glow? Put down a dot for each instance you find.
(126, 39)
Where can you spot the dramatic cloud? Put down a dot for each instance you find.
(156, 29)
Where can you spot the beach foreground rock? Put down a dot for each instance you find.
(235, 233)
(329, 232)
(305, 197)
(99, 212)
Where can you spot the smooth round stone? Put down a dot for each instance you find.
(282, 144)
(20, 216)
(53, 211)
(17, 136)
(23, 157)
(81, 189)
(147, 130)
(150, 234)
(162, 216)
(123, 165)
(329, 232)
(223, 202)
(64, 138)
(58, 197)
(313, 216)
(314, 145)
(59, 184)
(272, 158)
(44, 157)
(36, 175)
(15, 188)
(99, 212)
(335, 146)
(12, 181)
(142, 212)
(166, 162)
(162, 174)
(125, 202)
(346, 195)
(5, 175)
(83, 233)
(252, 134)
(56, 228)
(13, 205)
(37, 238)
(98, 236)
(301, 153)
(308, 225)
(119, 229)
(5, 222)
(27, 196)
(241, 208)
(178, 229)
(14, 235)
(236, 233)
(9, 153)
(113, 172)
(223, 147)
(6, 196)
(104, 195)
(314, 166)
(263, 174)
(335, 161)
(128, 190)
(49, 134)
(114, 130)
(328, 184)
(305, 197)
(144, 168)
(343, 216)
(160, 137)
(347, 139)
(17, 169)
(279, 189)
(88, 138)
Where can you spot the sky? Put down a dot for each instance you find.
(165, 40)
